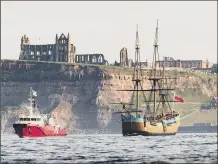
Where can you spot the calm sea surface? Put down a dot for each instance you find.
(181, 148)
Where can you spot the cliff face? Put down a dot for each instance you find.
(79, 97)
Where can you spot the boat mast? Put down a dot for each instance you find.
(164, 84)
(158, 82)
(155, 68)
(136, 71)
(137, 82)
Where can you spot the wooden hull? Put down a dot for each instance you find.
(139, 127)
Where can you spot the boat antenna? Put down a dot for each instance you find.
(31, 102)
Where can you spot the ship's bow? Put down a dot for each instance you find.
(19, 129)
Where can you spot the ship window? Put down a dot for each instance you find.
(33, 119)
(26, 119)
(21, 119)
(38, 119)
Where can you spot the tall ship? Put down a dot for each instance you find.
(157, 116)
(34, 124)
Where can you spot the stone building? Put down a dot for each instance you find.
(170, 62)
(130, 63)
(144, 64)
(91, 59)
(124, 57)
(214, 68)
(126, 62)
(61, 51)
(194, 64)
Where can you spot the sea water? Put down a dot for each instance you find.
(111, 148)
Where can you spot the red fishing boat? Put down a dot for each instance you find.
(34, 124)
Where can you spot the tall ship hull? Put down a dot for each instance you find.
(137, 126)
(28, 131)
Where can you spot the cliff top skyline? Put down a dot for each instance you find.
(187, 30)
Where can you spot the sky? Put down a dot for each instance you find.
(187, 30)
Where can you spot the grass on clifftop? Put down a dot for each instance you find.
(116, 69)
(129, 71)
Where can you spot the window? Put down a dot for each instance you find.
(94, 59)
(189, 65)
(193, 64)
(82, 58)
(61, 47)
(100, 59)
(77, 58)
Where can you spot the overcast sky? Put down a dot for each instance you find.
(187, 30)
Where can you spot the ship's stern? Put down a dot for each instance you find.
(132, 125)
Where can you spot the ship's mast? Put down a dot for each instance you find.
(137, 68)
(160, 83)
(137, 82)
(155, 79)
(163, 86)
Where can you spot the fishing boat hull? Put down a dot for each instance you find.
(137, 126)
(30, 130)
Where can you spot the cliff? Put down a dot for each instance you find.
(79, 96)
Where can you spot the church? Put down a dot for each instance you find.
(61, 51)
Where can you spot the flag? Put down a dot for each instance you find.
(177, 98)
(34, 93)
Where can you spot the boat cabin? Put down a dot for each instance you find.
(30, 120)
